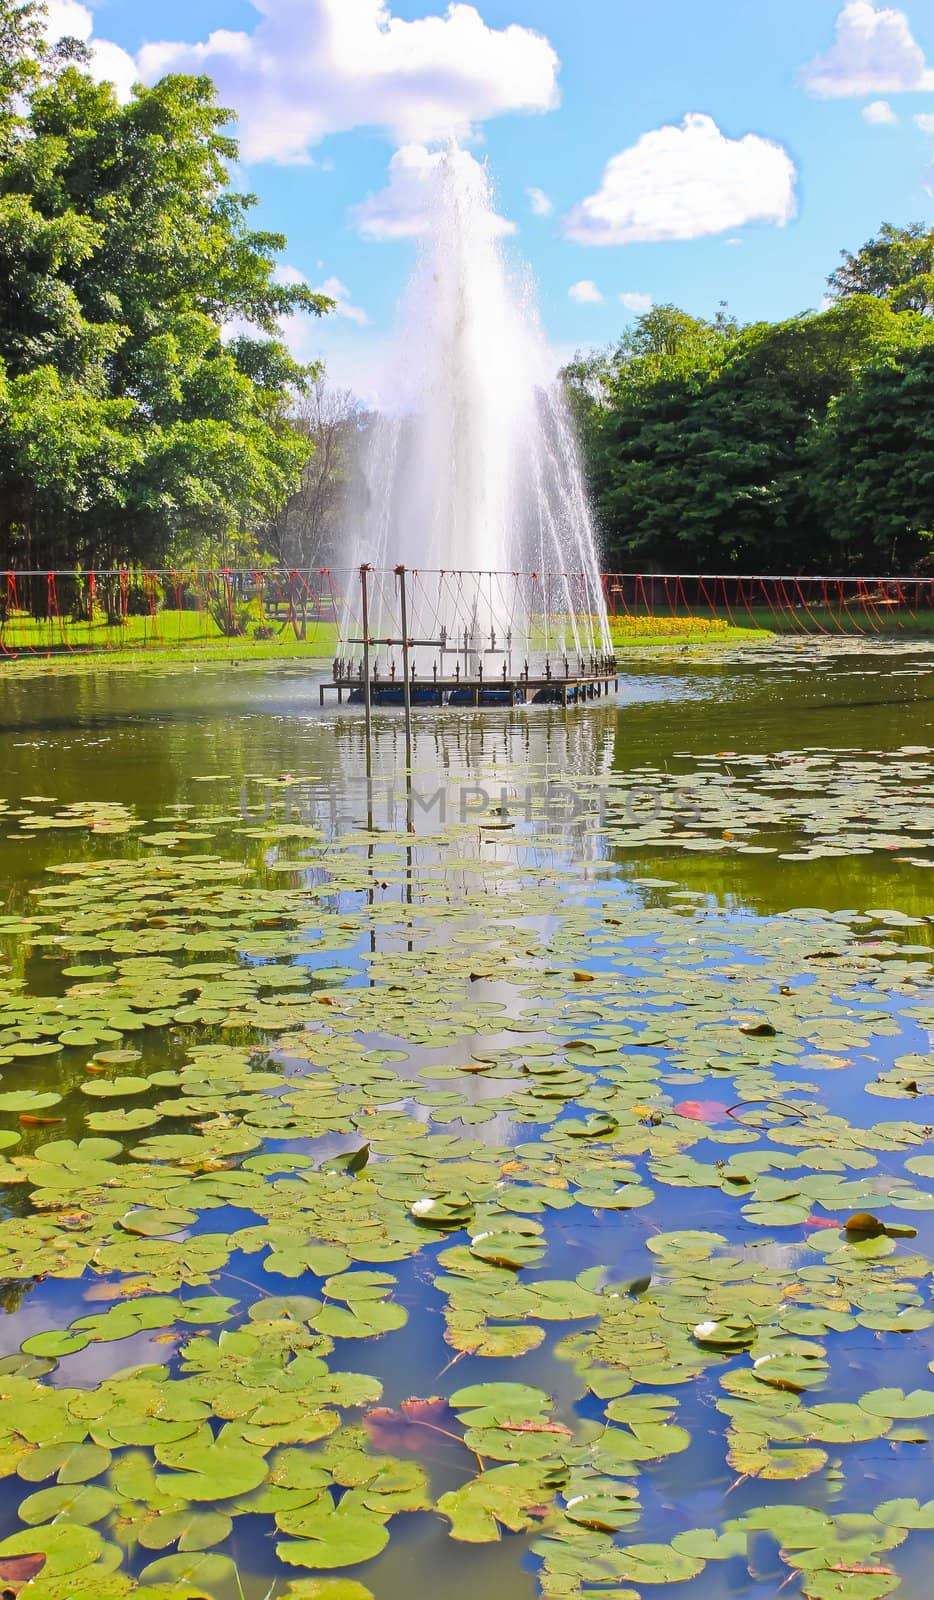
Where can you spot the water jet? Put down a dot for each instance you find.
(476, 522)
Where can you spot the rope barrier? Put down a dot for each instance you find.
(125, 608)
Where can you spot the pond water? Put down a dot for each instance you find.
(445, 1186)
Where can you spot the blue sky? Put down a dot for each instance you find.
(694, 151)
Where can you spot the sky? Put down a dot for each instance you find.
(701, 152)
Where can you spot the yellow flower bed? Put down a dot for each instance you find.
(668, 627)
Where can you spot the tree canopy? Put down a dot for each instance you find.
(135, 423)
(898, 267)
(775, 446)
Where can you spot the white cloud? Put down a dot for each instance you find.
(290, 276)
(585, 293)
(343, 302)
(879, 111)
(874, 52)
(925, 122)
(685, 182)
(637, 303)
(401, 210)
(541, 203)
(67, 19)
(404, 209)
(109, 62)
(332, 287)
(316, 67)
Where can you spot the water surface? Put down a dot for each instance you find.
(677, 946)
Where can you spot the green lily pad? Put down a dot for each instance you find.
(67, 1547)
(211, 1471)
(895, 1403)
(659, 1563)
(28, 1100)
(201, 1570)
(67, 1463)
(331, 1536)
(190, 1530)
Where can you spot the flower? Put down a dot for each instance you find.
(481, 1236)
(421, 1208)
(576, 1501)
(760, 1362)
(704, 1330)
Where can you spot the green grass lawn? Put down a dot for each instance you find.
(188, 634)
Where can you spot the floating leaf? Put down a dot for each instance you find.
(68, 1463)
(895, 1403)
(201, 1570)
(66, 1546)
(212, 1471)
(659, 1563)
(190, 1530)
(330, 1536)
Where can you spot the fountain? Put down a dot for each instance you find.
(474, 485)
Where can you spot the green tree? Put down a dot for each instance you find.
(898, 266)
(873, 464)
(663, 345)
(700, 442)
(816, 356)
(21, 49)
(701, 474)
(124, 256)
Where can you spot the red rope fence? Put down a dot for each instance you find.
(56, 612)
(46, 613)
(798, 605)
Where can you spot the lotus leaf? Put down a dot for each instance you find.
(201, 1571)
(190, 1530)
(329, 1536)
(70, 1463)
(659, 1563)
(68, 1547)
(212, 1471)
(512, 1497)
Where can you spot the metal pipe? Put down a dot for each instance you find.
(367, 708)
(406, 685)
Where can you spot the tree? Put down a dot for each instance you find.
(664, 345)
(701, 473)
(308, 530)
(21, 49)
(873, 464)
(26, 58)
(818, 355)
(700, 442)
(898, 266)
(124, 254)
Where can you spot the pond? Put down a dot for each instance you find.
(517, 1180)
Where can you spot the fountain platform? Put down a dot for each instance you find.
(565, 683)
